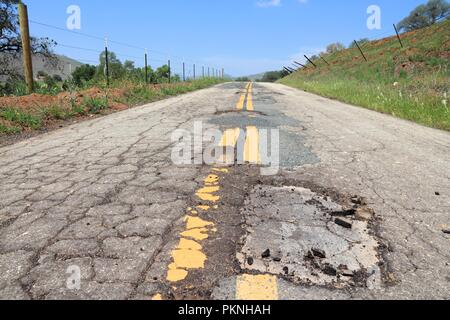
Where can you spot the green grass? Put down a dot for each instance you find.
(411, 83)
(15, 120)
(95, 105)
(23, 119)
(9, 129)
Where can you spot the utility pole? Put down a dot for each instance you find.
(146, 68)
(106, 61)
(203, 71)
(26, 46)
(169, 71)
(194, 71)
(184, 73)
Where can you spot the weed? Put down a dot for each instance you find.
(95, 105)
(17, 116)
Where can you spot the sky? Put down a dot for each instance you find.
(244, 37)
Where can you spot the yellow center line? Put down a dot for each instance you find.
(256, 287)
(240, 104)
(230, 138)
(246, 97)
(189, 255)
(251, 147)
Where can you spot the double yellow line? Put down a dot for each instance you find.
(246, 100)
(231, 136)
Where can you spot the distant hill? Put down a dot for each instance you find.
(255, 77)
(63, 67)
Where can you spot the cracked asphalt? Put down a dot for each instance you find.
(360, 208)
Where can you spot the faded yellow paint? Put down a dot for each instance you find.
(157, 297)
(240, 104)
(176, 275)
(206, 193)
(230, 138)
(208, 197)
(189, 245)
(189, 259)
(210, 189)
(189, 253)
(196, 234)
(196, 223)
(256, 287)
(250, 102)
(251, 147)
(211, 180)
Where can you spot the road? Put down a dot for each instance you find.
(359, 208)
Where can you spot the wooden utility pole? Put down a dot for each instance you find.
(26, 46)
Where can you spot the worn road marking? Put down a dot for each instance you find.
(251, 147)
(246, 99)
(240, 104)
(157, 297)
(256, 287)
(250, 98)
(230, 138)
(189, 255)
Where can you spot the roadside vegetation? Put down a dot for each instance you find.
(84, 94)
(412, 82)
(39, 111)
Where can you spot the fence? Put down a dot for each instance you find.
(360, 47)
(179, 67)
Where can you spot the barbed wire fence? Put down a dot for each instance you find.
(180, 68)
(358, 46)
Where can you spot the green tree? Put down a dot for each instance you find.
(335, 47)
(162, 73)
(11, 44)
(83, 73)
(116, 69)
(272, 76)
(425, 15)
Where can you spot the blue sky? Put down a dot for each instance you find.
(243, 36)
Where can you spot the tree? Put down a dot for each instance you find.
(272, 76)
(83, 73)
(335, 47)
(425, 15)
(116, 69)
(162, 73)
(11, 45)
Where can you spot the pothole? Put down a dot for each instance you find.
(310, 239)
(242, 112)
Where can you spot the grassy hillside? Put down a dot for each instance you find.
(411, 83)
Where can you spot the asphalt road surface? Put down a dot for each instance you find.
(359, 208)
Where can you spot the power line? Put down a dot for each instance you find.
(95, 37)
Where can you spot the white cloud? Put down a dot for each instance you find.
(268, 3)
(274, 3)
